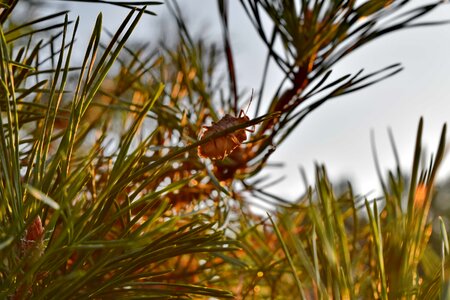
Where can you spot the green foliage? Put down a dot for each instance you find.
(103, 194)
(76, 222)
(346, 247)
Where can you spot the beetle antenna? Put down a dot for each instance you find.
(248, 106)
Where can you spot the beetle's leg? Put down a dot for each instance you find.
(235, 139)
(252, 129)
(203, 131)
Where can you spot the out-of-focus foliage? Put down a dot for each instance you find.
(103, 194)
(343, 246)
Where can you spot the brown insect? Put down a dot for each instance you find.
(221, 147)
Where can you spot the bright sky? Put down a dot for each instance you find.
(338, 133)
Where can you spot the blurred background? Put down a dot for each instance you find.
(338, 133)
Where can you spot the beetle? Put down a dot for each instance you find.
(220, 147)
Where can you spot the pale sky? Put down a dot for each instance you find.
(338, 133)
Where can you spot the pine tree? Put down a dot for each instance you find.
(103, 193)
